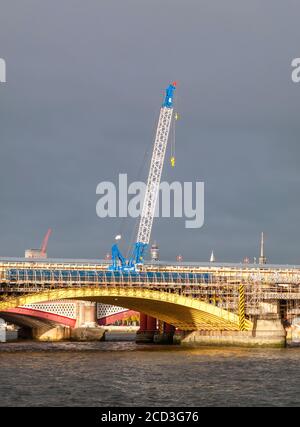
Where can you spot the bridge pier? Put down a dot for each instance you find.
(265, 339)
(145, 335)
(46, 333)
(64, 333)
(268, 331)
(268, 326)
(86, 314)
(165, 334)
(149, 332)
(50, 326)
(85, 328)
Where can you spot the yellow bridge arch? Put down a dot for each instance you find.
(185, 313)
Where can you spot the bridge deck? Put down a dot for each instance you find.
(217, 284)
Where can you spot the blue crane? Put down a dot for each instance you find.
(119, 262)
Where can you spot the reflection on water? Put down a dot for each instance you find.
(123, 373)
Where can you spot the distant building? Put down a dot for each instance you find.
(262, 259)
(35, 253)
(154, 251)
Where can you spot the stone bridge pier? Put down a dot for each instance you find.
(153, 330)
(267, 331)
(56, 321)
(268, 325)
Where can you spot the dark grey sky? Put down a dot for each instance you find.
(83, 92)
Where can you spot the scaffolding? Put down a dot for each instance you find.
(242, 290)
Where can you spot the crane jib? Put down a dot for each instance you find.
(156, 167)
(152, 188)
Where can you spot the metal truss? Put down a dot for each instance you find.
(154, 177)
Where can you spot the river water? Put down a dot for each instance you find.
(126, 374)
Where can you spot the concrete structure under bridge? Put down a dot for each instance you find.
(194, 303)
(58, 320)
(52, 320)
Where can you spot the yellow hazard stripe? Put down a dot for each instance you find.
(242, 319)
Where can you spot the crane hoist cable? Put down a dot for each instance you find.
(173, 136)
(173, 146)
(124, 223)
(143, 168)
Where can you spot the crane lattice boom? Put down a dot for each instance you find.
(154, 177)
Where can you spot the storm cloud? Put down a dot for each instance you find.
(80, 105)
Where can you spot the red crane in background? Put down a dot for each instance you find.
(45, 242)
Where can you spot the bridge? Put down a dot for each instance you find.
(243, 301)
(187, 296)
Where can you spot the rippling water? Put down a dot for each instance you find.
(123, 373)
